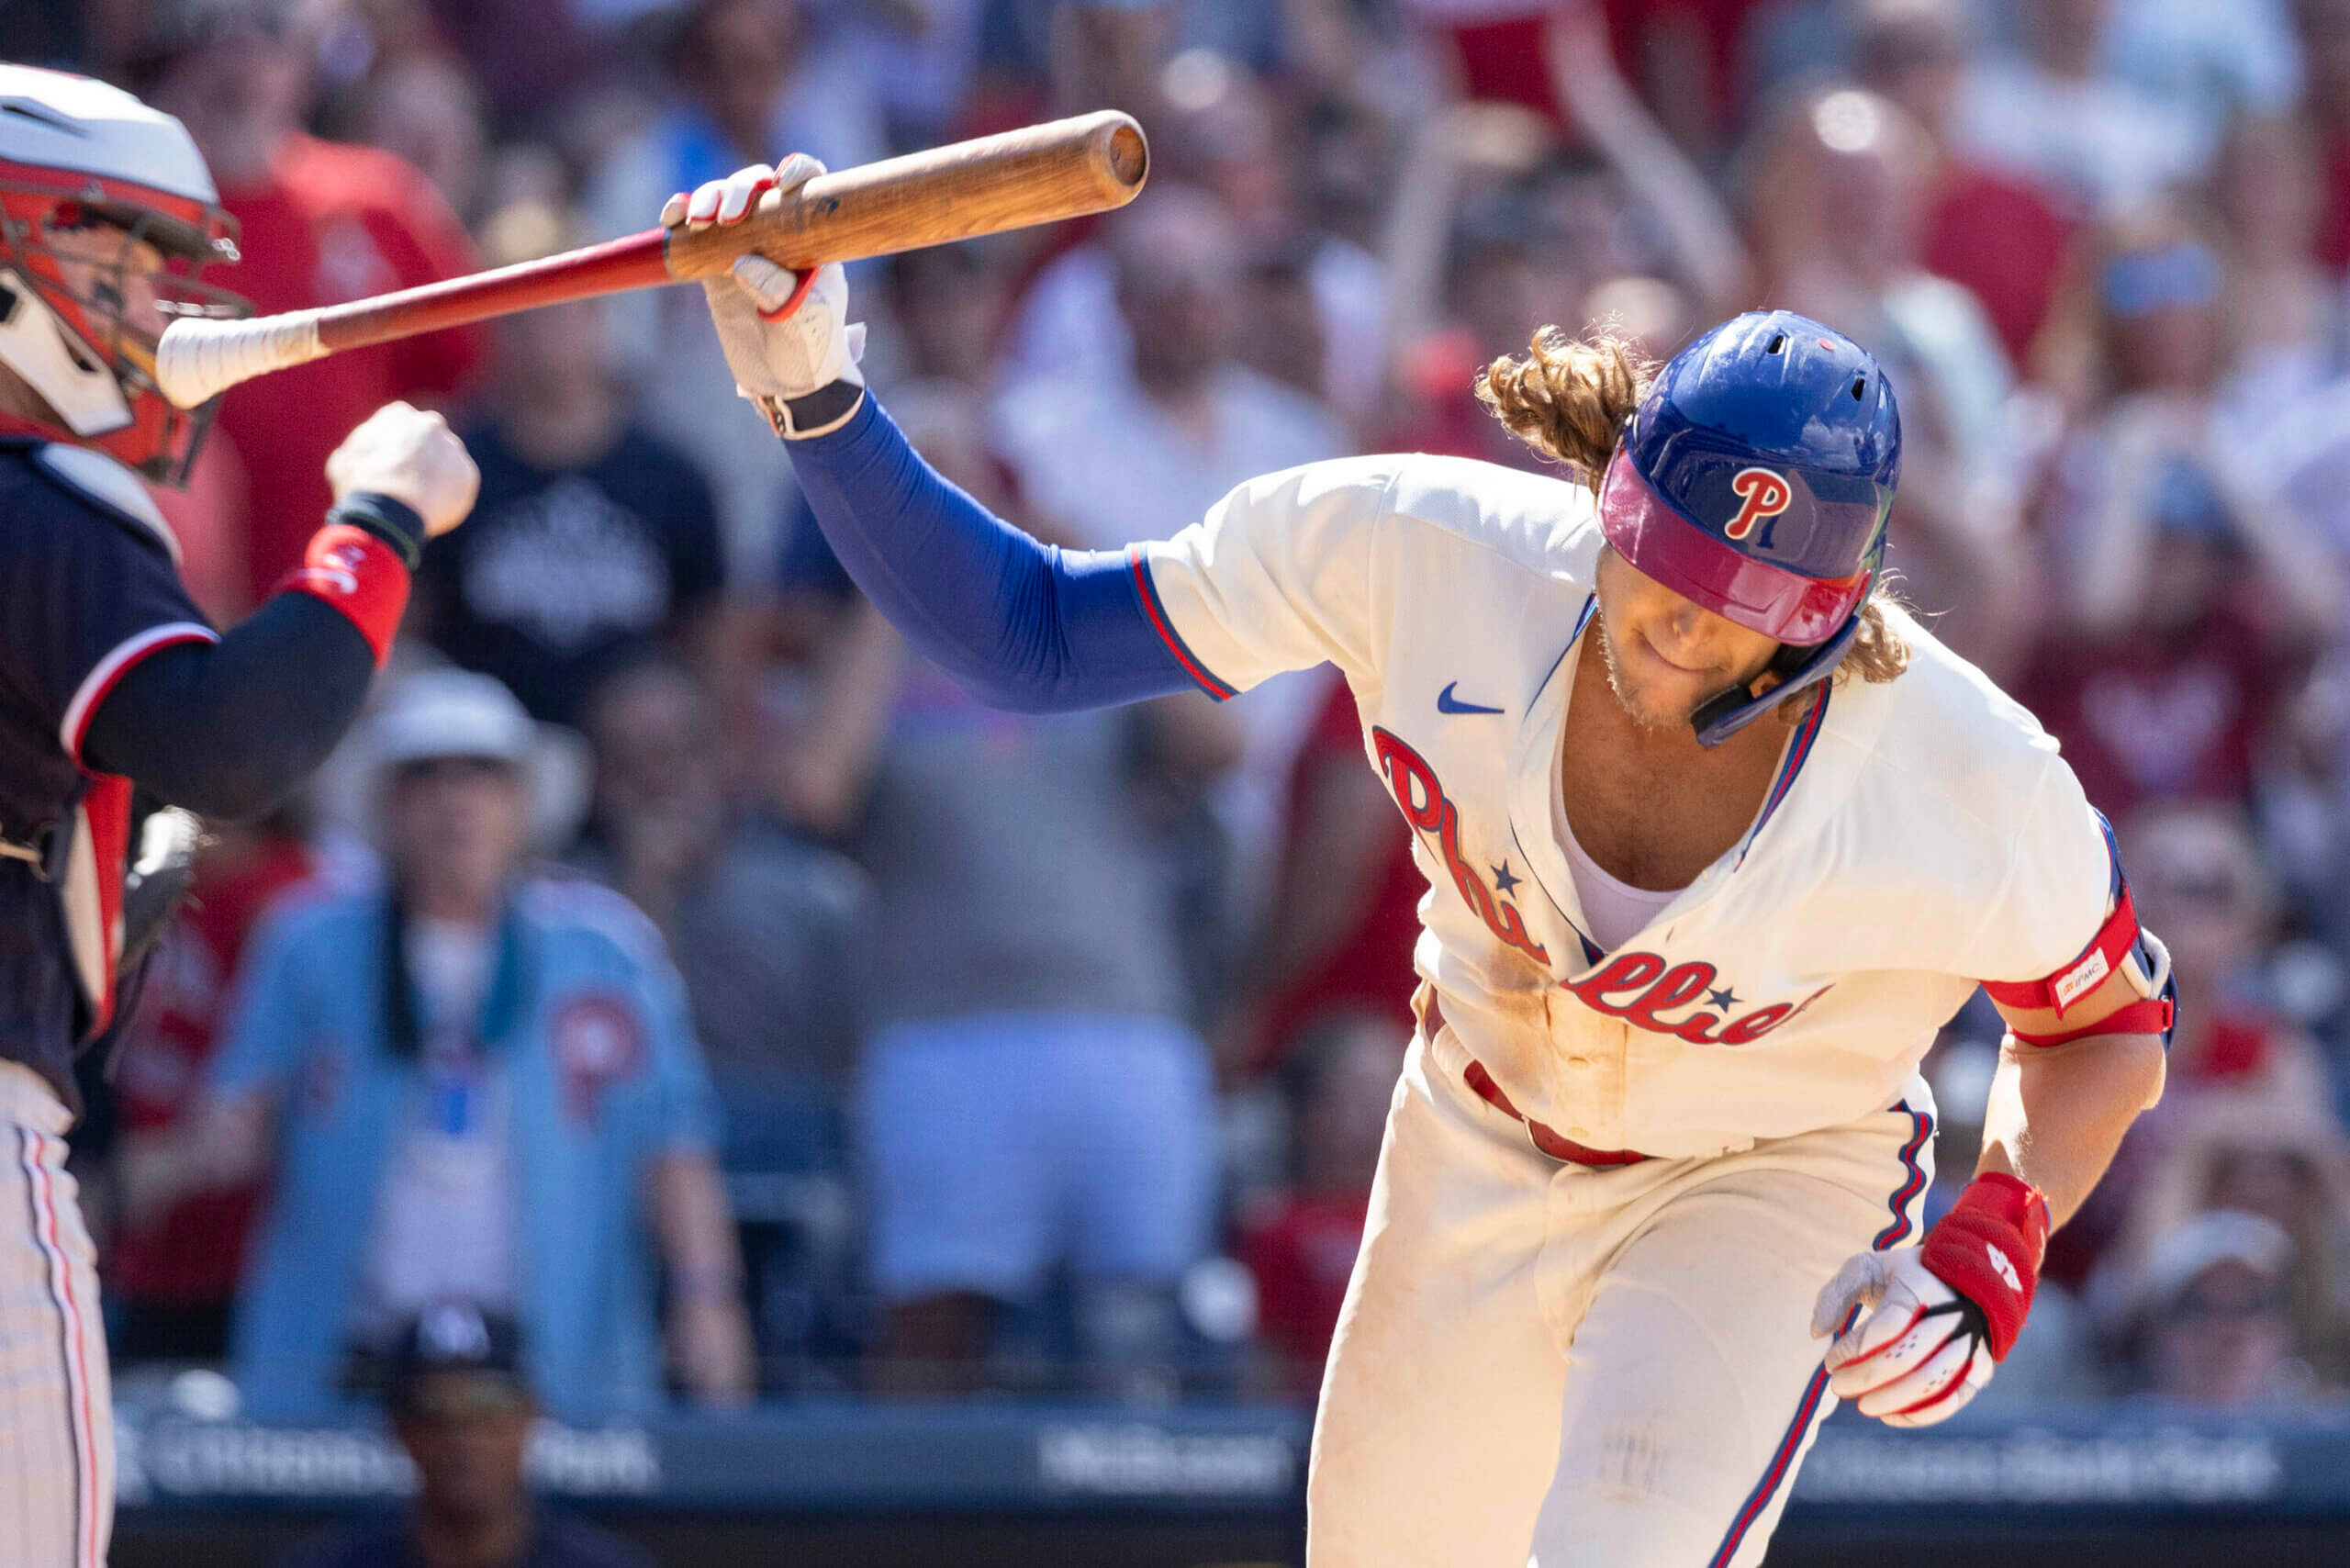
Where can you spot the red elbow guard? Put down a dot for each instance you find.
(1989, 1249)
(361, 576)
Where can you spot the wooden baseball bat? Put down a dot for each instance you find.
(1041, 174)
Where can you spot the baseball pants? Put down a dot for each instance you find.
(56, 1404)
(1542, 1365)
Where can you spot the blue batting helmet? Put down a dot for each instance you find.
(1755, 479)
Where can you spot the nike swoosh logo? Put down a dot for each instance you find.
(1446, 702)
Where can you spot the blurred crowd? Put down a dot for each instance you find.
(674, 969)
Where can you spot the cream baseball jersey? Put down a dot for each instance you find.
(1920, 835)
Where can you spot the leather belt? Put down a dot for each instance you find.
(1557, 1145)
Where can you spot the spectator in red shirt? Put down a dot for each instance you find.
(1995, 233)
(174, 1278)
(1303, 1250)
(2189, 590)
(321, 223)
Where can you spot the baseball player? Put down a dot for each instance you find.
(115, 694)
(1717, 837)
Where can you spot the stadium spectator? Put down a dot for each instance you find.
(1833, 212)
(949, 305)
(1224, 134)
(530, 57)
(173, 1281)
(462, 1409)
(596, 534)
(1176, 402)
(1032, 1095)
(2285, 1161)
(1997, 235)
(761, 923)
(1226, 130)
(472, 1080)
(2050, 113)
(2206, 67)
(426, 109)
(1302, 1249)
(2214, 1321)
(1472, 255)
(2189, 594)
(1491, 233)
(2283, 307)
(320, 222)
(748, 85)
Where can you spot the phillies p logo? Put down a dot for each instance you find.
(1762, 495)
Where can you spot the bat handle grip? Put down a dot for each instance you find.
(200, 358)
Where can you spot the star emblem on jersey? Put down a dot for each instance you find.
(2002, 1266)
(1724, 999)
(1503, 880)
(1446, 702)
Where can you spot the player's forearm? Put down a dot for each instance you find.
(1023, 625)
(2057, 1112)
(226, 729)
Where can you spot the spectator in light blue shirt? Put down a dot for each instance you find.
(473, 1082)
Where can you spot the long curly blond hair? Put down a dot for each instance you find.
(1571, 398)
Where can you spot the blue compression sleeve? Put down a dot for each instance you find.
(1022, 625)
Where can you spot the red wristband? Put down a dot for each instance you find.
(360, 576)
(1989, 1249)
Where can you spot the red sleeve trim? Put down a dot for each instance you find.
(107, 673)
(1147, 591)
(2084, 974)
(361, 576)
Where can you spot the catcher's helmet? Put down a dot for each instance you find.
(1755, 479)
(76, 154)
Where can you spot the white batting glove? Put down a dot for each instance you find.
(415, 458)
(1941, 1314)
(1920, 1352)
(784, 334)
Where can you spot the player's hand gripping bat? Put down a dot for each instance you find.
(1063, 169)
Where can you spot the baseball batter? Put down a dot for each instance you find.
(118, 695)
(1717, 837)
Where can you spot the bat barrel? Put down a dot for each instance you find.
(1042, 173)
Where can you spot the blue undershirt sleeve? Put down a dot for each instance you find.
(1022, 625)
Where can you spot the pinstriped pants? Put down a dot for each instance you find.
(1544, 1366)
(56, 1404)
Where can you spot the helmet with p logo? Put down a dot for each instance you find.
(1756, 478)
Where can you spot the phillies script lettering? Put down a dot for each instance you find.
(1638, 988)
(1422, 801)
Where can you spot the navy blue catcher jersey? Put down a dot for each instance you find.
(89, 586)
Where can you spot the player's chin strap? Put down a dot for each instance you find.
(1724, 713)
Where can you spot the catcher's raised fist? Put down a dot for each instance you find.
(785, 334)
